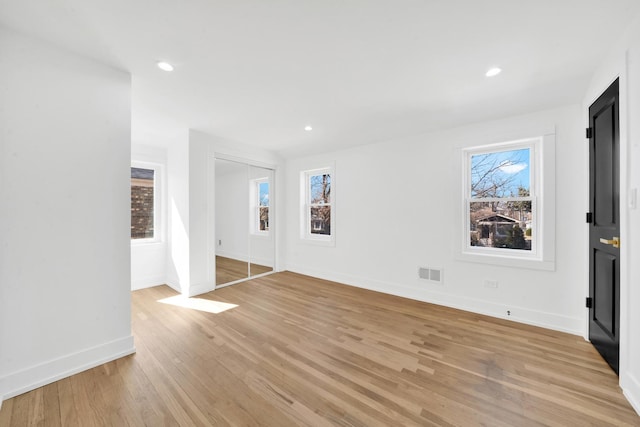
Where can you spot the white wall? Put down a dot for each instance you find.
(64, 216)
(624, 62)
(149, 259)
(199, 189)
(178, 274)
(395, 209)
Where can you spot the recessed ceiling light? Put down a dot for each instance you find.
(493, 72)
(165, 66)
(308, 128)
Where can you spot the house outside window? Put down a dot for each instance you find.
(146, 218)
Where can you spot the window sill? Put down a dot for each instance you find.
(146, 242)
(261, 236)
(318, 241)
(507, 261)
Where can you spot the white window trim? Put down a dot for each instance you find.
(254, 215)
(305, 220)
(542, 164)
(158, 217)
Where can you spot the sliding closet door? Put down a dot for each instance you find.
(261, 223)
(231, 219)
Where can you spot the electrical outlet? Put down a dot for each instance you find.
(491, 284)
(219, 242)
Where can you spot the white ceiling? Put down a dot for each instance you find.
(358, 71)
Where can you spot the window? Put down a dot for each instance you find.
(142, 203)
(501, 198)
(260, 206)
(146, 221)
(508, 211)
(318, 207)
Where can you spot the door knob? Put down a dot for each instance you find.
(615, 241)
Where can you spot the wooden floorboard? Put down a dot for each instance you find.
(298, 351)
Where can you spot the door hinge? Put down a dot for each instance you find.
(589, 302)
(589, 133)
(589, 217)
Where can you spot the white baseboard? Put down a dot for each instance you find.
(435, 296)
(201, 288)
(173, 282)
(53, 370)
(631, 390)
(147, 282)
(193, 290)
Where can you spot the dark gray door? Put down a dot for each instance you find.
(604, 229)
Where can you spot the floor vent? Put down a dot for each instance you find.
(432, 274)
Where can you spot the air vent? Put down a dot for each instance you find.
(431, 274)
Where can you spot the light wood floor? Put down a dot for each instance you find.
(302, 351)
(230, 270)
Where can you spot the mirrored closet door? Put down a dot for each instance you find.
(244, 237)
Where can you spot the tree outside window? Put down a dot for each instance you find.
(320, 204)
(500, 202)
(318, 207)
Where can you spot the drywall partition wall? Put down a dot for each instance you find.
(64, 216)
(396, 206)
(624, 62)
(149, 259)
(178, 274)
(199, 189)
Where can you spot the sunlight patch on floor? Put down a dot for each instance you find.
(200, 304)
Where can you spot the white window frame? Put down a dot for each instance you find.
(306, 205)
(254, 192)
(158, 175)
(542, 197)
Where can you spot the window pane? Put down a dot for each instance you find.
(501, 174)
(320, 189)
(501, 224)
(142, 203)
(320, 220)
(263, 194)
(264, 218)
